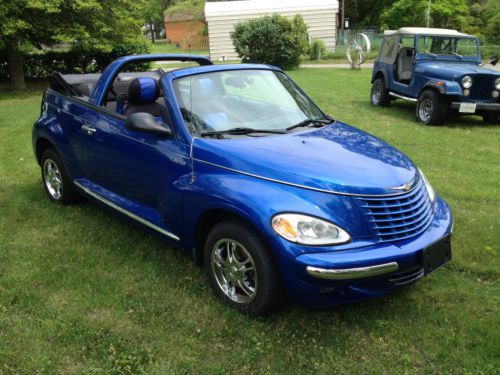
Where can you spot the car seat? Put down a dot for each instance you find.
(142, 95)
(405, 64)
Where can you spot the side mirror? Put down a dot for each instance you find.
(494, 60)
(145, 122)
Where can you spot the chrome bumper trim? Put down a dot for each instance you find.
(352, 273)
(126, 212)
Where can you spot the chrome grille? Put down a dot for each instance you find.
(482, 87)
(398, 217)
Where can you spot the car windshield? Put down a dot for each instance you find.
(447, 45)
(250, 99)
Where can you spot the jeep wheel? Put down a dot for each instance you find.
(379, 95)
(241, 270)
(491, 117)
(431, 108)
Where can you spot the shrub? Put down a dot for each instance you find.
(274, 40)
(76, 60)
(317, 50)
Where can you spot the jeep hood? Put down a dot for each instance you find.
(336, 158)
(450, 71)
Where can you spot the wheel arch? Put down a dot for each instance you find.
(380, 74)
(41, 145)
(209, 219)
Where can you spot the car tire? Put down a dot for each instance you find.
(241, 269)
(491, 117)
(56, 182)
(431, 108)
(379, 95)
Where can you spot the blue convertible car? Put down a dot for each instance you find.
(236, 166)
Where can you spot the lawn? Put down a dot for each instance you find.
(82, 291)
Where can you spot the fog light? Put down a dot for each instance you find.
(466, 92)
(494, 94)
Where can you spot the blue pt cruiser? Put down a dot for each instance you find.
(236, 166)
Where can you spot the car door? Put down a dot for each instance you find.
(406, 43)
(132, 171)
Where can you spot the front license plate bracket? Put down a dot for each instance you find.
(436, 255)
(467, 108)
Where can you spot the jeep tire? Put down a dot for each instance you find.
(431, 108)
(491, 117)
(379, 96)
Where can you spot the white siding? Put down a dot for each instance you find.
(320, 17)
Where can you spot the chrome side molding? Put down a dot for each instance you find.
(139, 219)
(402, 97)
(352, 273)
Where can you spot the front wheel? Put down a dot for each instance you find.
(241, 269)
(491, 117)
(431, 108)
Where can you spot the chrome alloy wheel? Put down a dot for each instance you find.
(425, 109)
(234, 270)
(52, 179)
(376, 94)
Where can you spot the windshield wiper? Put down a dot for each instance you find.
(456, 54)
(430, 53)
(241, 131)
(326, 120)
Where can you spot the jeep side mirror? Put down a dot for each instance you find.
(494, 60)
(146, 122)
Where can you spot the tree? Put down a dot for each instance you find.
(153, 15)
(444, 13)
(97, 24)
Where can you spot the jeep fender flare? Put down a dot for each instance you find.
(381, 74)
(447, 88)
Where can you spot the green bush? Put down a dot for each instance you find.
(274, 40)
(76, 60)
(317, 50)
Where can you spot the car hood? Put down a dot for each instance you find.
(336, 158)
(450, 71)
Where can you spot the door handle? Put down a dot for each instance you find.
(89, 129)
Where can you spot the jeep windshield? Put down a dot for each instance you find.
(249, 102)
(443, 45)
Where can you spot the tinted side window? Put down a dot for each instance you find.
(387, 47)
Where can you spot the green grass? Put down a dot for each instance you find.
(82, 291)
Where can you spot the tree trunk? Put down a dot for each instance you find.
(151, 28)
(16, 68)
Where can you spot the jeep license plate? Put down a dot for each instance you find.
(467, 108)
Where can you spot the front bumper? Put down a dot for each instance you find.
(479, 106)
(336, 277)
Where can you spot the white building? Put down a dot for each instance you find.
(320, 17)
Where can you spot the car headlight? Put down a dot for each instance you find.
(308, 230)
(466, 82)
(497, 84)
(428, 186)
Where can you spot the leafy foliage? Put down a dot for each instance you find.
(41, 65)
(317, 50)
(444, 13)
(86, 24)
(274, 40)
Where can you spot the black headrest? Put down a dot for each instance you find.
(143, 90)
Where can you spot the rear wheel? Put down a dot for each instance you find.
(431, 108)
(56, 182)
(379, 94)
(491, 117)
(241, 270)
